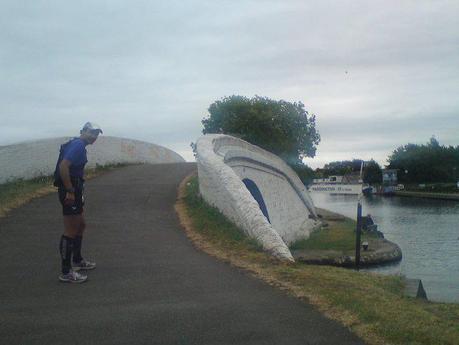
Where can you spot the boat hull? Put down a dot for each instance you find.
(346, 189)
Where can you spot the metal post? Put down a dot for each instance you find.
(357, 235)
(359, 224)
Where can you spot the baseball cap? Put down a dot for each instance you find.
(92, 127)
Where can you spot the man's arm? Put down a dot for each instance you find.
(65, 177)
(64, 171)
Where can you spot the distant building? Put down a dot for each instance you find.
(389, 177)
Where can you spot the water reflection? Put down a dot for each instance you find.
(426, 230)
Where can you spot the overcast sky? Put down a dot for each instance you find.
(377, 74)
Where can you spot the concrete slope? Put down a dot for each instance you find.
(150, 287)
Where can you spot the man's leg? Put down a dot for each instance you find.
(78, 262)
(71, 230)
(77, 241)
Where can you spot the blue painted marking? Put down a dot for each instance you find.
(253, 189)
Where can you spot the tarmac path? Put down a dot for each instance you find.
(151, 286)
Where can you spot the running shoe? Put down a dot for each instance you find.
(83, 265)
(73, 277)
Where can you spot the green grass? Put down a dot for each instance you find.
(17, 192)
(371, 305)
(338, 236)
(448, 188)
(11, 190)
(211, 222)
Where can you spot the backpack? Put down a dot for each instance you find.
(57, 176)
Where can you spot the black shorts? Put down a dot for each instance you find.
(77, 207)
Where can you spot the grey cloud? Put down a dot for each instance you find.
(375, 73)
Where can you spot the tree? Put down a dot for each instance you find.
(305, 173)
(283, 128)
(372, 172)
(425, 163)
(341, 167)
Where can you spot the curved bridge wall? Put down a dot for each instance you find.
(38, 158)
(224, 162)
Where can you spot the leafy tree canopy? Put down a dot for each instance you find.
(341, 167)
(283, 128)
(371, 173)
(305, 173)
(427, 163)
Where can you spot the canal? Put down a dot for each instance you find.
(426, 230)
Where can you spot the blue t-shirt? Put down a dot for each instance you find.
(75, 152)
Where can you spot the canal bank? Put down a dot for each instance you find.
(373, 306)
(379, 251)
(427, 195)
(425, 230)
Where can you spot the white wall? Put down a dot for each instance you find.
(224, 161)
(287, 212)
(36, 158)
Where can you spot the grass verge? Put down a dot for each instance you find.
(448, 188)
(339, 236)
(371, 305)
(18, 192)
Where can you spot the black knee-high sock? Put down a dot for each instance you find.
(77, 249)
(65, 248)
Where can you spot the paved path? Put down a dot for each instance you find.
(150, 287)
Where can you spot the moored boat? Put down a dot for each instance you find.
(337, 185)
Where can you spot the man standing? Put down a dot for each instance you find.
(70, 182)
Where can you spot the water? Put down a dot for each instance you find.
(426, 230)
